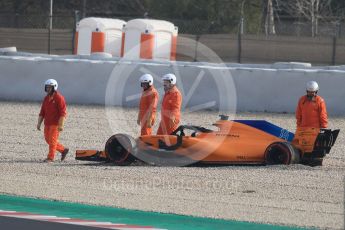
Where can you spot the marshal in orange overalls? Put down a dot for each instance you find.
(52, 109)
(147, 110)
(171, 112)
(311, 113)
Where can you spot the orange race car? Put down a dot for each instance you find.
(232, 142)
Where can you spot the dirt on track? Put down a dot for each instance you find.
(294, 195)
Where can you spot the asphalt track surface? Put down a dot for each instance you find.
(293, 195)
(10, 223)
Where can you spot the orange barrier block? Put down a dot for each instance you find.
(97, 42)
(123, 45)
(173, 48)
(146, 46)
(76, 43)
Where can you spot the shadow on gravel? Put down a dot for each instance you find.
(142, 164)
(58, 163)
(22, 161)
(100, 164)
(68, 164)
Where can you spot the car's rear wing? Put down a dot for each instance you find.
(315, 142)
(325, 140)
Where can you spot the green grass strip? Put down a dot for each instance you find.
(124, 216)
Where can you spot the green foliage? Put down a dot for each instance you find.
(191, 16)
(207, 15)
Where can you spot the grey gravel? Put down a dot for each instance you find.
(294, 195)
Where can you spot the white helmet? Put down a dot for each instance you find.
(51, 82)
(146, 78)
(312, 86)
(170, 77)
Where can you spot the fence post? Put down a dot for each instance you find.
(240, 32)
(84, 9)
(76, 20)
(16, 20)
(196, 47)
(334, 48)
(50, 25)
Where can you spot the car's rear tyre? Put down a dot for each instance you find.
(281, 153)
(120, 149)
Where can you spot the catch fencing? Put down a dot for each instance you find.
(292, 41)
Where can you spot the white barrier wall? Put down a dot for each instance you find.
(277, 90)
(80, 82)
(85, 81)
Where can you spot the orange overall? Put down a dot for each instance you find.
(311, 113)
(147, 110)
(171, 112)
(53, 107)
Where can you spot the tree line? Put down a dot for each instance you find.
(258, 16)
